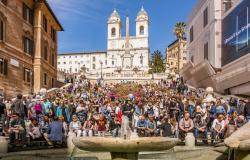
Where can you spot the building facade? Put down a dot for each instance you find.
(130, 51)
(172, 52)
(28, 46)
(124, 53)
(73, 62)
(218, 46)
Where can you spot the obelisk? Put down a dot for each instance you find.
(127, 32)
(127, 57)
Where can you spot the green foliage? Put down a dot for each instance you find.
(157, 64)
(179, 30)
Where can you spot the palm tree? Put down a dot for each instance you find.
(179, 32)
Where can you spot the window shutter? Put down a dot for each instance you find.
(1, 30)
(24, 12)
(24, 45)
(23, 73)
(31, 20)
(5, 72)
(31, 48)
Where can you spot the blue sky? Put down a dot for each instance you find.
(85, 21)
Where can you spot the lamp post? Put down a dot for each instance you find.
(79, 69)
(101, 69)
(152, 71)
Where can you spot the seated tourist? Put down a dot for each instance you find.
(88, 127)
(141, 126)
(200, 127)
(65, 125)
(75, 127)
(166, 128)
(102, 125)
(115, 126)
(151, 127)
(17, 130)
(174, 127)
(186, 125)
(218, 128)
(62, 110)
(55, 132)
(44, 124)
(81, 111)
(240, 121)
(33, 129)
(230, 126)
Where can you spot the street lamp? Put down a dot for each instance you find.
(101, 69)
(79, 67)
(152, 71)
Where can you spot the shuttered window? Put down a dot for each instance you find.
(1, 30)
(45, 79)
(27, 75)
(206, 51)
(27, 14)
(3, 66)
(45, 23)
(28, 45)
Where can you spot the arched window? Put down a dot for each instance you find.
(93, 59)
(113, 32)
(141, 30)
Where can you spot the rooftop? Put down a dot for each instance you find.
(196, 9)
(51, 11)
(174, 42)
(80, 53)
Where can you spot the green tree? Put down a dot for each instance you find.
(157, 63)
(179, 32)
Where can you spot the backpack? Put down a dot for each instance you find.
(38, 108)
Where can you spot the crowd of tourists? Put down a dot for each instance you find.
(167, 108)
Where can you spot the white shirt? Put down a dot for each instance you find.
(216, 121)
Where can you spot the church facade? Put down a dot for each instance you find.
(128, 52)
(124, 53)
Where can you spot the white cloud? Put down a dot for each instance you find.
(87, 9)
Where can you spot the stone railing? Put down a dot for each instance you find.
(129, 76)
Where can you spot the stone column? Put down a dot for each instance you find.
(37, 46)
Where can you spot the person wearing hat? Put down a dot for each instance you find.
(218, 128)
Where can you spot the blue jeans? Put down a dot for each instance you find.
(215, 133)
(196, 133)
(248, 118)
